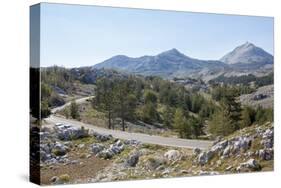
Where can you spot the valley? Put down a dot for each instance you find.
(166, 115)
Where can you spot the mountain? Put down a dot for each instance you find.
(248, 53)
(170, 63)
(245, 59)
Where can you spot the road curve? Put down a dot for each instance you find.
(78, 101)
(144, 138)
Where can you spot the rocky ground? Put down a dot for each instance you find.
(70, 155)
(264, 97)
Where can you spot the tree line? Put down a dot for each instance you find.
(157, 101)
(154, 101)
(245, 80)
(231, 116)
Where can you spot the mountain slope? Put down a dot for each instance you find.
(167, 64)
(246, 54)
(245, 59)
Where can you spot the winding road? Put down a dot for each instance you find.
(144, 138)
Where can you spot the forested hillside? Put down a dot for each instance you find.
(124, 100)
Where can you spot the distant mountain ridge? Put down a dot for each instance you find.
(247, 53)
(173, 63)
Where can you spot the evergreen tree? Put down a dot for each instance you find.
(74, 112)
(221, 123)
(247, 116)
(125, 103)
(227, 119)
(181, 125)
(196, 126)
(149, 113)
(150, 97)
(104, 99)
(45, 110)
(168, 117)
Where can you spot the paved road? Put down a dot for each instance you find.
(78, 101)
(144, 138)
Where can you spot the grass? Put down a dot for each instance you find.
(86, 140)
(153, 147)
(64, 178)
(58, 152)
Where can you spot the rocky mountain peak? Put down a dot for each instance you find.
(171, 52)
(247, 53)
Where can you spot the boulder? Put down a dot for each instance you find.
(242, 143)
(267, 143)
(219, 147)
(71, 133)
(102, 137)
(172, 155)
(228, 168)
(59, 149)
(251, 165)
(227, 151)
(80, 146)
(105, 154)
(196, 151)
(204, 157)
(96, 148)
(132, 160)
(266, 154)
(117, 147)
(268, 134)
(47, 148)
(153, 162)
(45, 156)
(202, 173)
(132, 142)
(54, 179)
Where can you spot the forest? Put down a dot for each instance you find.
(158, 102)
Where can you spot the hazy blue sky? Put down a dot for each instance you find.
(75, 36)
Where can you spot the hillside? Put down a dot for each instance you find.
(166, 64)
(247, 53)
(264, 97)
(246, 58)
(100, 158)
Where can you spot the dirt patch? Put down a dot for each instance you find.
(84, 169)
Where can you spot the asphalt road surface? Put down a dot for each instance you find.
(144, 138)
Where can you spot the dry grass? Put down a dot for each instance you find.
(89, 168)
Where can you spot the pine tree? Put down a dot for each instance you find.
(181, 125)
(221, 124)
(149, 113)
(168, 117)
(74, 112)
(150, 97)
(45, 110)
(125, 103)
(104, 99)
(247, 117)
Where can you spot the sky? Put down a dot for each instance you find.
(76, 35)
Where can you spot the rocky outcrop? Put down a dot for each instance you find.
(96, 148)
(240, 146)
(172, 155)
(154, 163)
(133, 159)
(205, 156)
(250, 165)
(132, 142)
(102, 137)
(107, 153)
(266, 154)
(71, 133)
